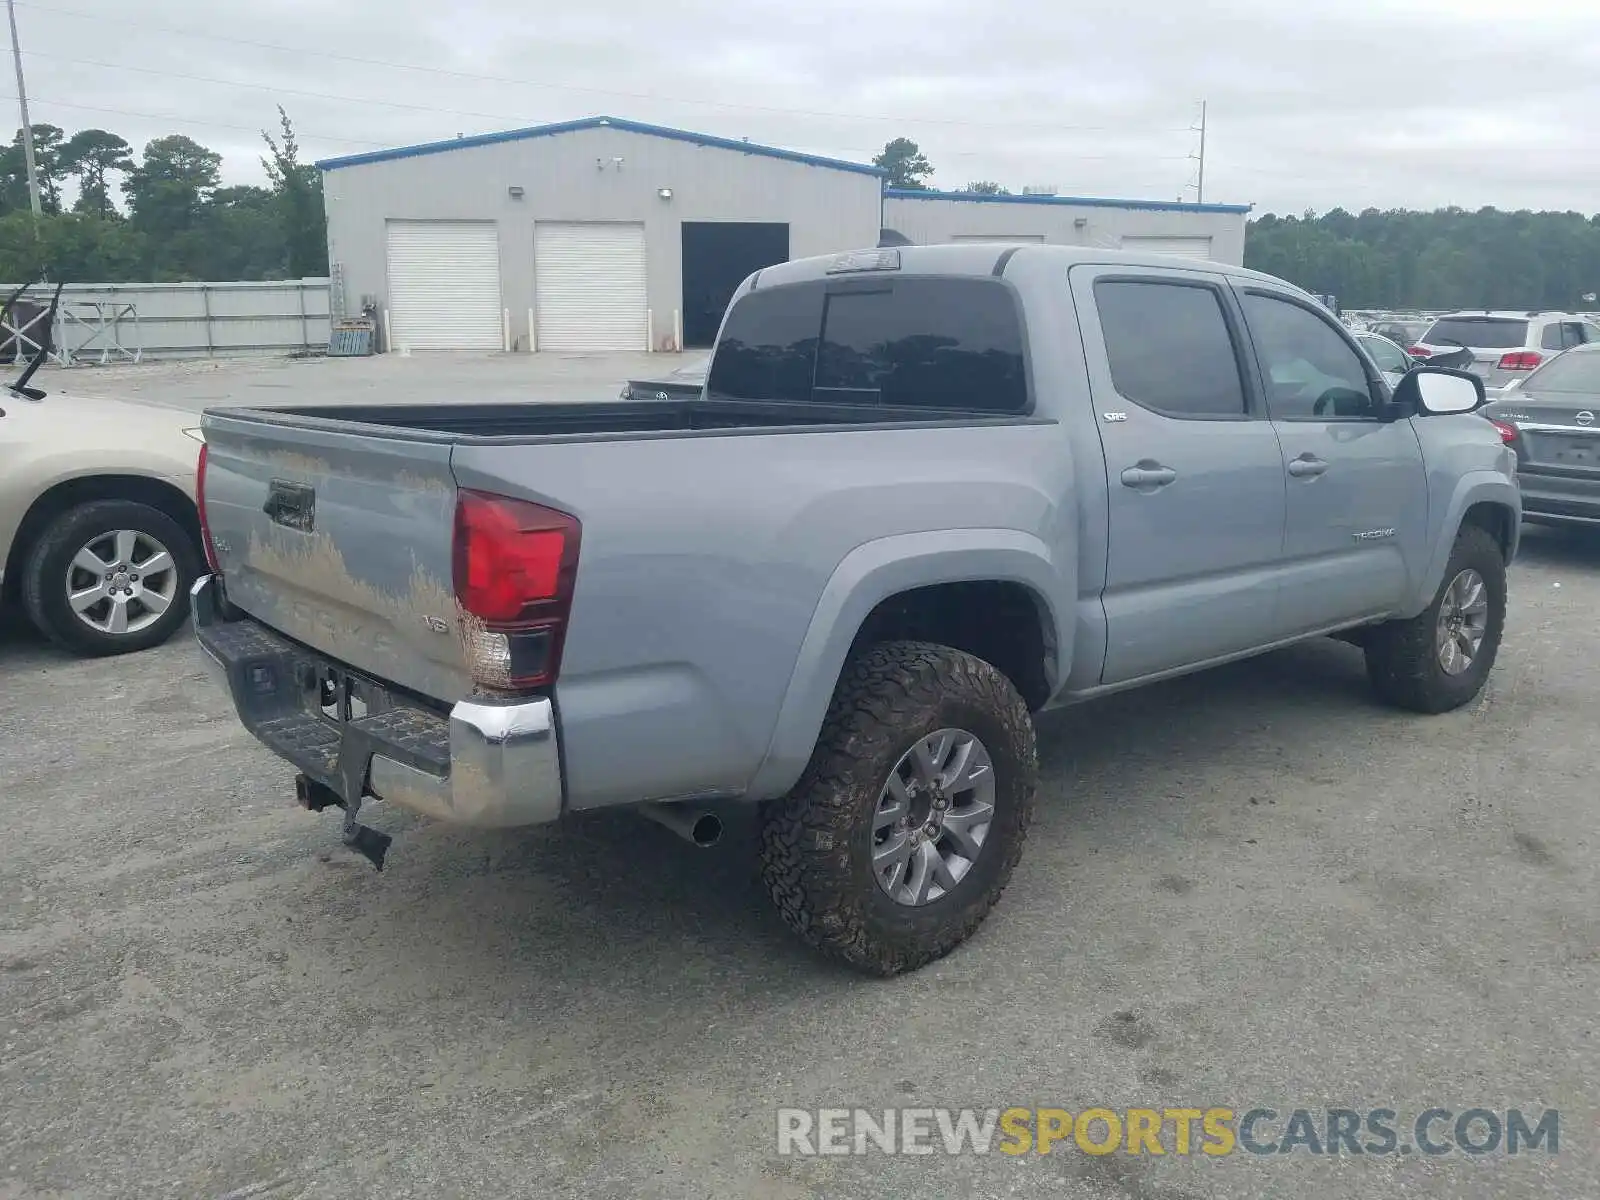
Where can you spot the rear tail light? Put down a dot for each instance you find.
(515, 563)
(1419, 352)
(1508, 431)
(200, 503)
(1521, 360)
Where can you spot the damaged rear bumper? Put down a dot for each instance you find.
(486, 762)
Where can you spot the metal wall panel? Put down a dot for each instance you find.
(1183, 247)
(102, 323)
(934, 220)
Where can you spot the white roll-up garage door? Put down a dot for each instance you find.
(444, 285)
(589, 286)
(1184, 247)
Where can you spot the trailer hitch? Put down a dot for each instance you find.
(363, 839)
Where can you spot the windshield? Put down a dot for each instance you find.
(1568, 373)
(1490, 333)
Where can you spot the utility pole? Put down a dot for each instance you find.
(22, 101)
(1200, 186)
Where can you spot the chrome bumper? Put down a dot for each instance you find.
(489, 763)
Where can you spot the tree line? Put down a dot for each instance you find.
(1450, 258)
(176, 223)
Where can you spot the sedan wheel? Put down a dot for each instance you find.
(122, 582)
(110, 576)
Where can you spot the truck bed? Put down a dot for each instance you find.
(710, 531)
(601, 418)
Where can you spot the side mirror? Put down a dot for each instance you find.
(1439, 391)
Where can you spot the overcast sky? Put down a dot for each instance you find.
(1312, 103)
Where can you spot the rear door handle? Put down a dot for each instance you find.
(1148, 475)
(1306, 466)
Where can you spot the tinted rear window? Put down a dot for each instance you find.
(1569, 373)
(1489, 333)
(924, 343)
(905, 342)
(768, 348)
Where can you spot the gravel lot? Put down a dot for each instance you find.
(192, 385)
(1249, 887)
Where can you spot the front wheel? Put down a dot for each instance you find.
(1439, 659)
(904, 829)
(110, 577)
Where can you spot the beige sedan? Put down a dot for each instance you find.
(99, 537)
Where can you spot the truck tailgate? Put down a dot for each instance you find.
(340, 537)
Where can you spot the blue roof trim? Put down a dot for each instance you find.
(536, 131)
(1077, 201)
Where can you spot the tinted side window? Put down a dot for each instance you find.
(1312, 373)
(768, 347)
(1571, 334)
(1552, 339)
(1169, 347)
(923, 343)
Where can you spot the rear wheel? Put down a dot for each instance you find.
(904, 829)
(1439, 660)
(110, 577)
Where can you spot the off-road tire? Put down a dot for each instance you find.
(1402, 656)
(816, 841)
(44, 570)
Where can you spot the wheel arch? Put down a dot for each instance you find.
(1486, 499)
(67, 494)
(932, 587)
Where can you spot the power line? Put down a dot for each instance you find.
(182, 120)
(304, 51)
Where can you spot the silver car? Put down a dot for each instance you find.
(1552, 420)
(1390, 356)
(1506, 345)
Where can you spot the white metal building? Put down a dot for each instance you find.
(1211, 231)
(593, 235)
(606, 234)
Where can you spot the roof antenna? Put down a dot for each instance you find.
(21, 386)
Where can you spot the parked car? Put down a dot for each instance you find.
(1505, 346)
(907, 515)
(99, 533)
(1552, 421)
(1405, 333)
(1391, 358)
(686, 383)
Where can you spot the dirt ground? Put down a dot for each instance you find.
(1252, 887)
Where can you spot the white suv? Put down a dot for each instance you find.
(1506, 345)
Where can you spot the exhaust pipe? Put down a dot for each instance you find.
(698, 825)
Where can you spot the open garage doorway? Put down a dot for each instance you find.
(717, 256)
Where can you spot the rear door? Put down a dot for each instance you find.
(1194, 471)
(1357, 491)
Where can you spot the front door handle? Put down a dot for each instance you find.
(1148, 474)
(1306, 466)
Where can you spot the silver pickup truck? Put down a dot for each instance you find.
(927, 493)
